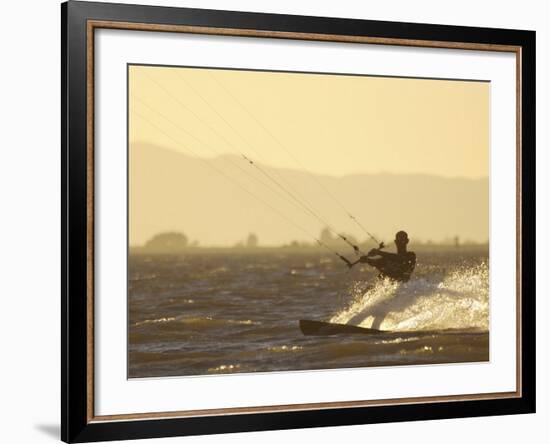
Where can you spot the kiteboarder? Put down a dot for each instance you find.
(398, 266)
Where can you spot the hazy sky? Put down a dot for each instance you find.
(328, 124)
(332, 125)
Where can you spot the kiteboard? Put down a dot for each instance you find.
(320, 328)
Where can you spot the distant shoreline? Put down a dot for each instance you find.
(427, 248)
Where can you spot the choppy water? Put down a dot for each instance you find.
(214, 312)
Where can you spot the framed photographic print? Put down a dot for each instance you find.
(275, 221)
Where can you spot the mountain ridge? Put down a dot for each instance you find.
(211, 200)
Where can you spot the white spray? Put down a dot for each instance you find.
(459, 301)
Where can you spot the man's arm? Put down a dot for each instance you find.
(379, 252)
(369, 259)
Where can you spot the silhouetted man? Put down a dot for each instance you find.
(395, 266)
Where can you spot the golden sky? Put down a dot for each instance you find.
(332, 125)
(329, 124)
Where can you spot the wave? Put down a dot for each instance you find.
(225, 368)
(154, 321)
(285, 348)
(459, 301)
(208, 320)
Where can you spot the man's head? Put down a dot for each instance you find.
(401, 240)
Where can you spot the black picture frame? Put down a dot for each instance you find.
(76, 423)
